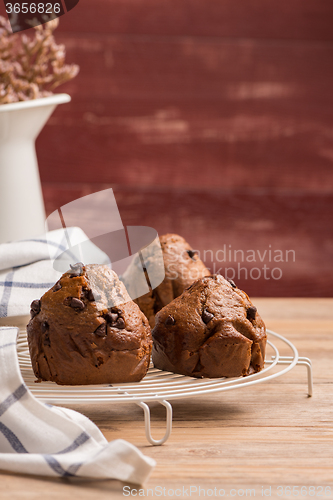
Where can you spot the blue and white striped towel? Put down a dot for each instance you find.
(36, 438)
(26, 267)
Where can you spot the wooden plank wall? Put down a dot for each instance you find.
(213, 119)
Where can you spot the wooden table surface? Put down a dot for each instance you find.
(264, 436)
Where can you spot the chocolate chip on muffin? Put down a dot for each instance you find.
(57, 287)
(207, 316)
(192, 253)
(77, 303)
(34, 308)
(170, 320)
(251, 313)
(232, 283)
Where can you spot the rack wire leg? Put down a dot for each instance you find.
(307, 362)
(146, 411)
(285, 360)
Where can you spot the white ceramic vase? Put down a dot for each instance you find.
(22, 213)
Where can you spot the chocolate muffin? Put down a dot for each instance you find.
(86, 330)
(182, 267)
(211, 330)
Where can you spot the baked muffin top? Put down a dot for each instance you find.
(210, 313)
(81, 323)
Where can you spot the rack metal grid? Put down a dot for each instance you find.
(158, 386)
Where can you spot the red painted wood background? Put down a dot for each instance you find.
(212, 119)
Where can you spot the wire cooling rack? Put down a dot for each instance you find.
(159, 386)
